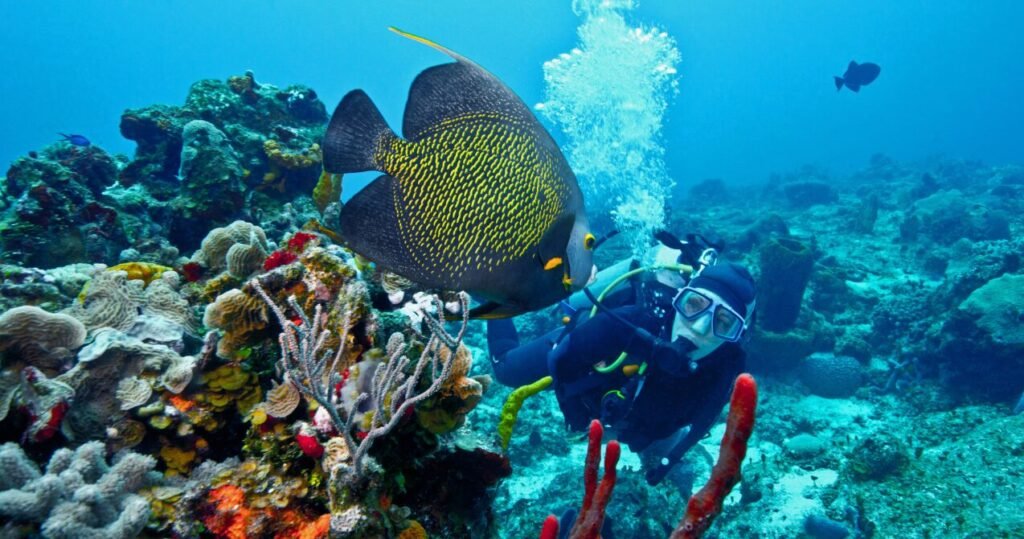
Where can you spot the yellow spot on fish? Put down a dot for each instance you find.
(553, 263)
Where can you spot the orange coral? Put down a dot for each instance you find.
(300, 527)
(233, 519)
(181, 403)
(231, 515)
(447, 410)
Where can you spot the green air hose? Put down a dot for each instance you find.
(681, 268)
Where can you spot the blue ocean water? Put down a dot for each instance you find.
(160, 328)
(756, 92)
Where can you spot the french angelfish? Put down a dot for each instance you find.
(475, 195)
(857, 75)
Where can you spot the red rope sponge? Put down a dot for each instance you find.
(706, 504)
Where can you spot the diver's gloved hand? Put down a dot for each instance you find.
(667, 356)
(656, 474)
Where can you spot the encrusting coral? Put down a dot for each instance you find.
(79, 496)
(113, 300)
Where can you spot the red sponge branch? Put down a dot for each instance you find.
(706, 504)
(703, 507)
(550, 529)
(596, 496)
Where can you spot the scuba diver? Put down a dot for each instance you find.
(655, 362)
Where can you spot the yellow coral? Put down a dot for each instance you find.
(327, 190)
(292, 160)
(178, 461)
(140, 271)
(414, 531)
(160, 422)
(258, 416)
(227, 378)
(229, 384)
(447, 410)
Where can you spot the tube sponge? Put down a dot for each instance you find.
(79, 496)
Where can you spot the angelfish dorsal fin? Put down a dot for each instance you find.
(455, 89)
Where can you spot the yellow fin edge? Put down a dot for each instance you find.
(425, 41)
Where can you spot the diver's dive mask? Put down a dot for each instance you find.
(726, 323)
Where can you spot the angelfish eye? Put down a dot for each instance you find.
(588, 241)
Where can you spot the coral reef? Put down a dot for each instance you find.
(319, 396)
(212, 181)
(232, 151)
(59, 195)
(988, 324)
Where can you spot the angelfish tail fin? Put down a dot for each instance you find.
(353, 135)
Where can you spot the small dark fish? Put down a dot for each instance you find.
(475, 196)
(858, 75)
(77, 140)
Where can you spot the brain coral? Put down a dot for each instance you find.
(236, 315)
(114, 300)
(828, 375)
(109, 300)
(39, 338)
(214, 251)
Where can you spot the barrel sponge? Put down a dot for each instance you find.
(39, 338)
(80, 495)
(213, 252)
(786, 266)
(237, 315)
(829, 375)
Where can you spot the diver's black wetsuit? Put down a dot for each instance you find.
(670, 398)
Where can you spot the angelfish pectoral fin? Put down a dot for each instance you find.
(493, 311)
